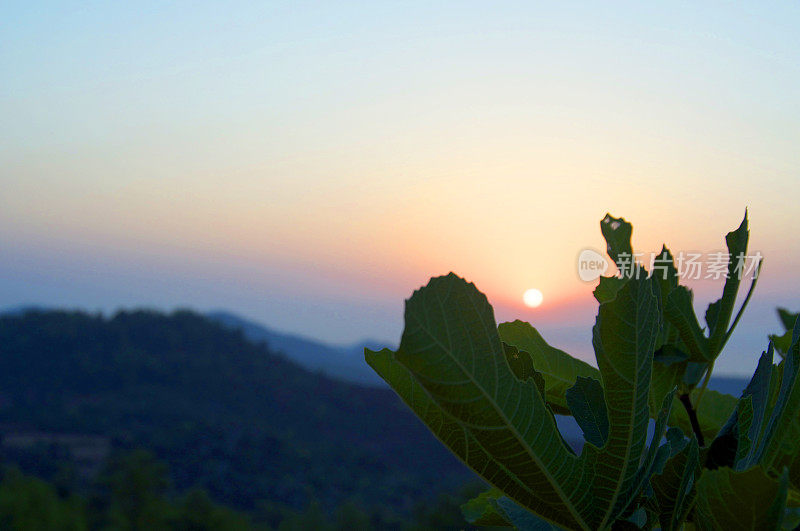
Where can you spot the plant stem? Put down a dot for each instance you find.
(705, 383)
(687, 404)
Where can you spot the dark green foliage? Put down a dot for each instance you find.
(28, 503)
(134, 492)
(131, 495)
(489, 393)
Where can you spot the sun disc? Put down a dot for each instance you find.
(532, 298)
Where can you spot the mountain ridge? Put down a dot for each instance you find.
(344, 362)
(228, 415)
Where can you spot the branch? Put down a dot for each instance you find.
(687, 404)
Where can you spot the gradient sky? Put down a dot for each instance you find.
(309, 164)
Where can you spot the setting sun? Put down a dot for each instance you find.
(532, 298)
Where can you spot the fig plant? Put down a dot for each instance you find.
(706, 460)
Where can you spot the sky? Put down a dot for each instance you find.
(308, 165)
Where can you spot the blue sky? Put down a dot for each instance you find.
(310, 164)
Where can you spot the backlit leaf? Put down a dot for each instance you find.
(718, 315)
(624, 338)
(559, 369)
(451, 347)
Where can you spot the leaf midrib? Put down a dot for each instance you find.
(618, 488)
(568, 504)
(468, 436)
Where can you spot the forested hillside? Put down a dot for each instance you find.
(226, 415)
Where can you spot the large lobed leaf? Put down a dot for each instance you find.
(487, 404)
(624, 338)
(731, 500)
(462, 441)
(453, 354)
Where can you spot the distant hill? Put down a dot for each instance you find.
(347, 363)
(732, 385)
(342, 362)
(231, 416)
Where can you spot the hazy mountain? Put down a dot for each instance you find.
(23, 308)
(228, 415)
(342, 362)
(347, 363)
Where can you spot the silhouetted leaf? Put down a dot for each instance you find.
(451, 347)
(607, 288)
(777, 445)
(746, 500)
(587, 404)
(656, 456)
(664, 379)
(453, 434)
(617, 233)
(559, 369)
(624, 338)
(783, 341)
(674, 486)
(752, 411)
(678, 310)
(522, 366)
(718, 314)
